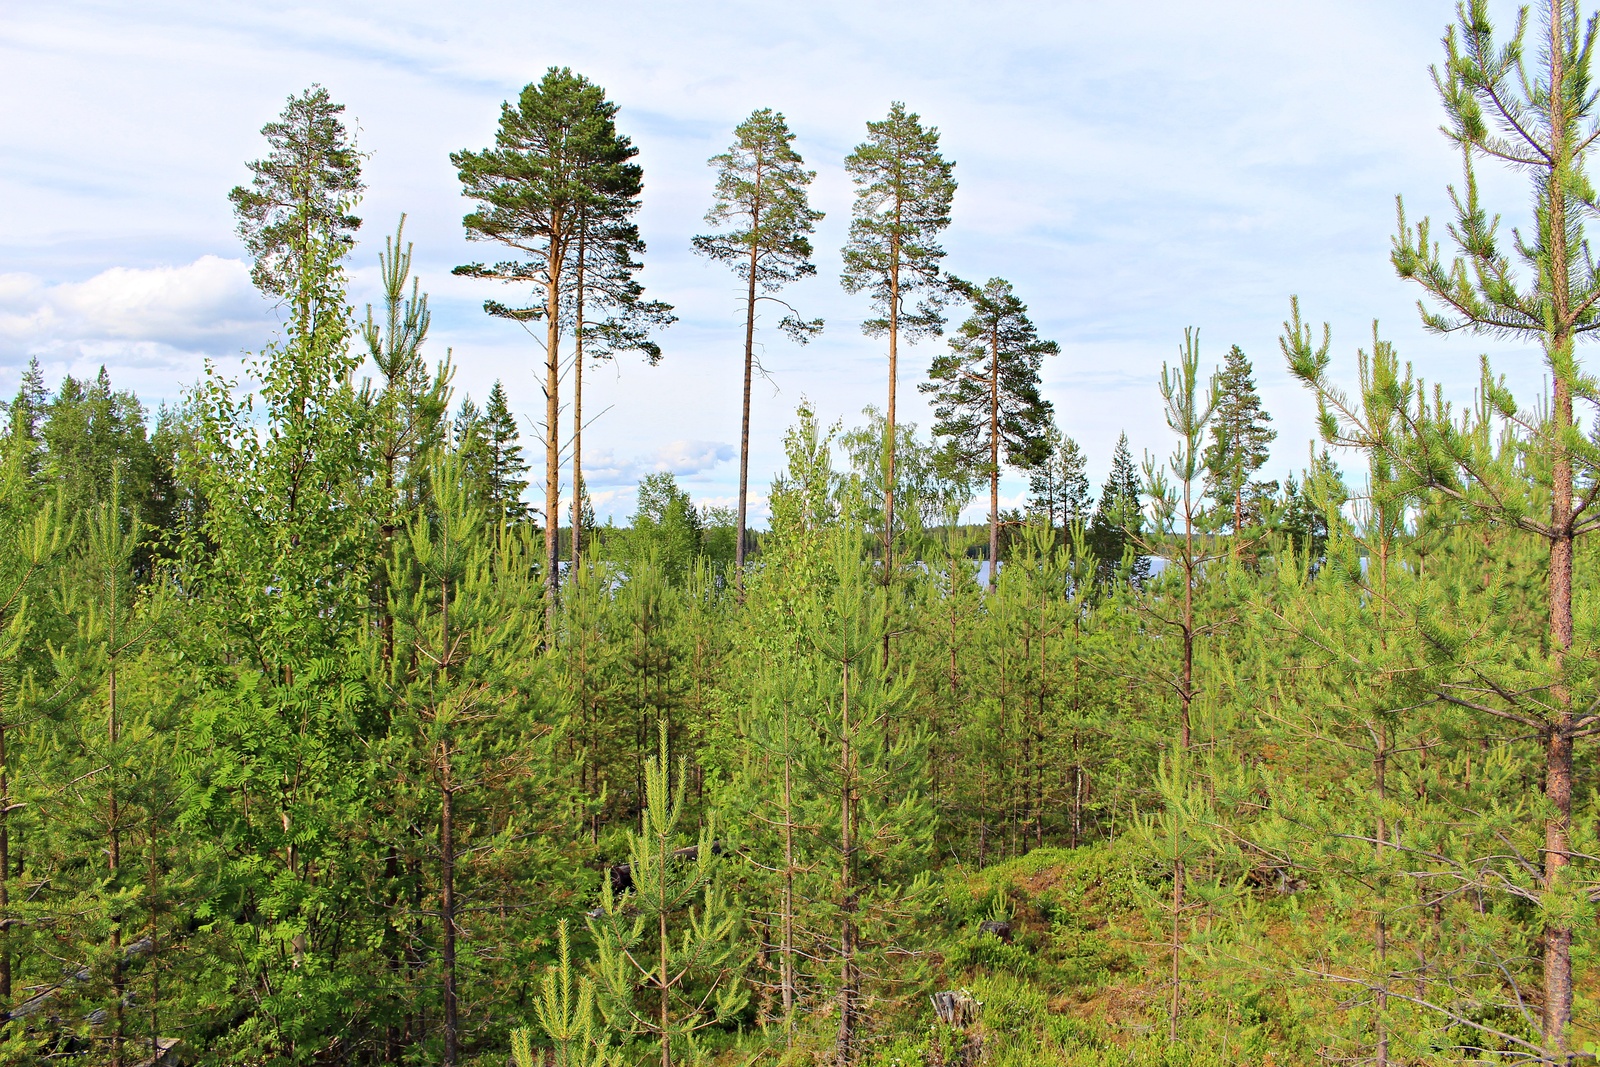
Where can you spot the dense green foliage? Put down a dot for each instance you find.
(309, 754)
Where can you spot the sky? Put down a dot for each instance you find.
(1132, 170)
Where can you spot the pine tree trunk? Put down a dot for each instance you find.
(447, 907)
(848, 976)
(381, 574)
(391, 948)
(1558, 745)
(1038, 743)
(889, 419)
(577, 404)
(1186, 691)
(153, 898)
(664, 974)
(555, 255)
(1238, 511)
(994, 456)
(749, 370)
(114, 838)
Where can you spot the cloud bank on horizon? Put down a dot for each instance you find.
(1130, 176)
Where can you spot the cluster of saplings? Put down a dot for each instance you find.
(314, 751)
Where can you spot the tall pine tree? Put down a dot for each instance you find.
(1538, 118)
(609, 313)
(904, 189)
(986, 393)
(761, 193)
(557, 159)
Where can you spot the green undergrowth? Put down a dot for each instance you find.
(1083, 980)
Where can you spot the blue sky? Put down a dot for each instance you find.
(1132, 170)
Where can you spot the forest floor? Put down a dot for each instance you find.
(1083, 978)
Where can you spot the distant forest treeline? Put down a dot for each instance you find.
(318, 745)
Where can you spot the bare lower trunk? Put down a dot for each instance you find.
(1558, 751)
(1176, 1004)
(994, 456)
(889, 418)
(994, 527)
(744, 424)
(577, 412)
(1558, 939)
(552, 445)
(114, 854)
(849, 977)
(153, 896)
(1558, 744)
(665, 975)
(447, 913)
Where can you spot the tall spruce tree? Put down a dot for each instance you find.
(24, 444)
(1240, 438)
(557, 159)
(761, 194)
(1059, 486)
(904, 189)
(1118, 518)
(506, 465)
(986, 393)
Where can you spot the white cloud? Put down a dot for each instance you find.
(199, 303)
(680, 459)
(691, 457)
(151, 319)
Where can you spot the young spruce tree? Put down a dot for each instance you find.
(1119, 519)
